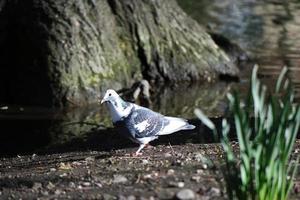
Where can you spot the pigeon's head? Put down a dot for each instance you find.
(110, 96)
(118, 108)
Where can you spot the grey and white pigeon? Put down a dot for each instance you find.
(141, 124)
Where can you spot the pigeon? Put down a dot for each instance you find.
(140, 124)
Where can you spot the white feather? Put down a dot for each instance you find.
(142, 126)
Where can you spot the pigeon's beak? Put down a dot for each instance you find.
(102, 101)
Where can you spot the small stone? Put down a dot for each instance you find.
(180, 184)
(76, 163)
(204, 166)
(86, 184)
(214, 192)
(165, 194)
(99, 185)
(33, 156)
(176, 184)
(52, 169)
(72, 185)
(37, 186)
(108, 197)
(64, 166)
(198, 157)
(145, 162)
(63, 175)
(177, 163)
(185, 194)
(90, 159)
(50, 186)
(45, 193)
(131, 197)
(57, 192)
(171, 172)
(119, 179)
(121, 197)
(196, 178)
(167, 155)
(4, 108)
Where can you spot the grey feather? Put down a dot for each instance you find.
(156, 122)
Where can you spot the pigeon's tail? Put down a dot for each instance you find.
(188, 127)
(175, 124)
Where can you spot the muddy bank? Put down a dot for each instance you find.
(164, 172)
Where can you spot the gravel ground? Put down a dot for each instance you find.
(189, 171)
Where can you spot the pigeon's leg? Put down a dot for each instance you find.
(137, 153)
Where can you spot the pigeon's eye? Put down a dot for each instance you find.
(109, 94)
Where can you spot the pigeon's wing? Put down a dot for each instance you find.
(175, 124)
(143, 122)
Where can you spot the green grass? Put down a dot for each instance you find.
(266, 127)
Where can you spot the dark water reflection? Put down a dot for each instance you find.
(267, 30)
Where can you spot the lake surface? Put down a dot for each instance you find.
(267, 30)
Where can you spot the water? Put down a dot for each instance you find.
(267, 30)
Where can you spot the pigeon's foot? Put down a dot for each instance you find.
(136, 154)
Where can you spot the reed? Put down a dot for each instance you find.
(266, 127)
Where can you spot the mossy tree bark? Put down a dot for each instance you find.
(62, 53)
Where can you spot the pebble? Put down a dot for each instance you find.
(89, 159)
(72, 185)
(76, 163)
(108, 197)
(63, 175)
(4, 108)
(176, 184)
(50, 186)
(145, 162)
(86, 184)
(214, 192)
(64, 166)
(121, 197)
(171, 172)
(45, 193)
(167, 155)
(196, 178)
(37, 186)
(180, 184)
(57, 192)
(119, 179)
(33, 156)
(52, 169)
(177, 163)
(131, 197)
(185, 194)
(99, 185)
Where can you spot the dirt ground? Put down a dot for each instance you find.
(186, 171)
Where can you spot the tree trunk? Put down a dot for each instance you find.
(63, 53)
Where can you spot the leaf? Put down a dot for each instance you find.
(205, 120)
